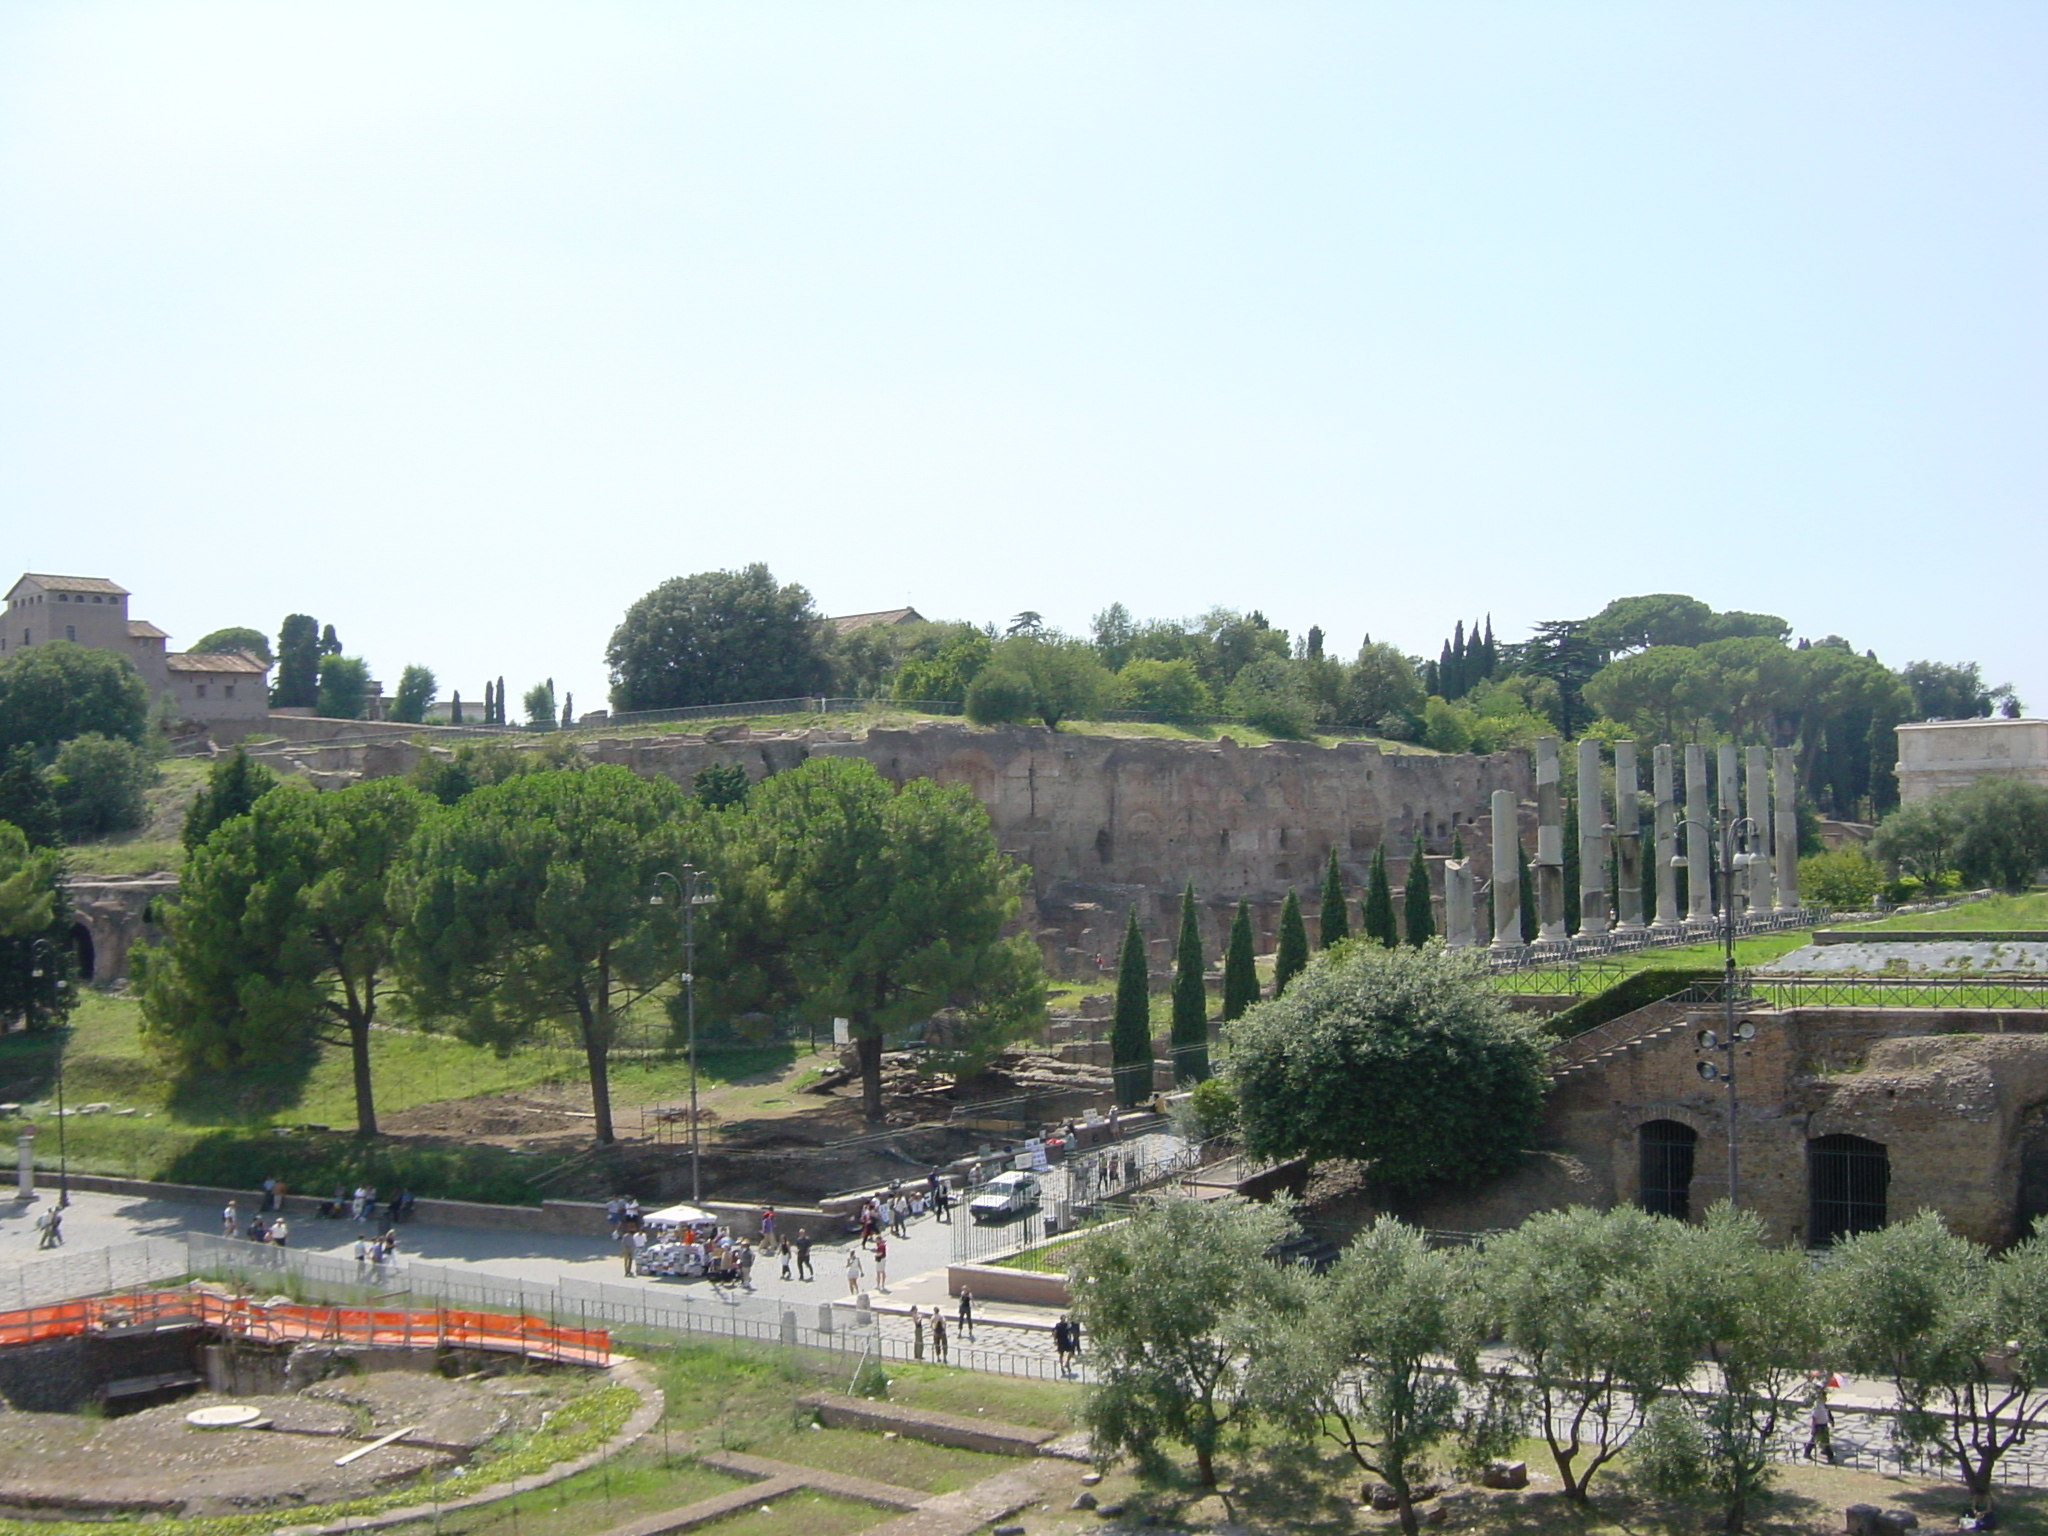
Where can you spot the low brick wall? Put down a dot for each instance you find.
(837, 1412)
(1025, 1287)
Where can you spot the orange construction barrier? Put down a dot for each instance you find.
(291, 1322)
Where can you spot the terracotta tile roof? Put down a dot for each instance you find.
(142, 629)
(215, 661)
(98, 584)
(848, 623)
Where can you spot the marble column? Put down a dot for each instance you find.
(1458, 903)
(1549, 866)
(1666, 829)
(1507, 873)
(1728, 796)
(1785, 825)
(1756, 805)
(1699, 815)
(1628, 842)
(1594, 920)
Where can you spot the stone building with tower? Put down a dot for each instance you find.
(202, 688)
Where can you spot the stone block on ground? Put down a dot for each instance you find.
(1505, 1474)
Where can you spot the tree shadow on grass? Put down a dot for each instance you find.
(242, 1096)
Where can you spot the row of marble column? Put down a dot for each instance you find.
(1755, 812)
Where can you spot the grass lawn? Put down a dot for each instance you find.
(2028, 911)
(904, 1462)
(635, 1483)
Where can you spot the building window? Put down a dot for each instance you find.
(228, 691)
(199, 691)
(1666, 1149)
(70, 631)
(1846, 1181)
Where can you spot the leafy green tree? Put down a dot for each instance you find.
(1961, 1336)
(1919, 839)
(1173, 1303)
(1418, 918)
(416, 690)
(1172, 689)
(720, 784)
(1446, 727)
(1378, 910)
(1335, 924)
(877, 904)
(941, 661)
(253, 642)
(526, 903)
(718, 637)
(1130, 1032)
(1942, 691)
(1270, 695)
(330, 642)
(1290, 953)
(1569, 1295)
(1382, 693)
(344, 688)
(1363, 1362)
(1067, 682)
(1400, 1057)
(101, 785)
(1000, 696)
(1188, 1034)
(35, 961)
(1752, 1318)
(1240, 966)
(1225, 642)
(1114, 632)
(447, 777)
(297, 685)
(233, 786)
(27, 801)
(283, 933)
(2003, 832)
(539, 701)
(51, 693)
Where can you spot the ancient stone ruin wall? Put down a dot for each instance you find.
(1106, 823)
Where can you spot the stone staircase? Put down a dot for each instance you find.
(1585, 1054)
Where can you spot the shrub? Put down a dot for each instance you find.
(101, 785)
(999, 696)
(1846, 878)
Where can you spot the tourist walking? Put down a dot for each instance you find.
(966, 1313)
(803, 1254)
(52, 1226)
(231, 1220)
(1820, 1425)
(853, 1272)
(899, 1214)
(280, 1230)
(768, 1229)
(788, 1258)
(746, 1265)
(881, 1262)
(362, 1253)
(1066, 1343)
(938, 1336)
(916, 1334)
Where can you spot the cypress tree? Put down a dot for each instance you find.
(1335, 926)
(1240, 970)
(1457, 842)
(1379, 903)
(27, 800)
(1130, 1035)
(1189, 1034)
(501, 699)
(568, 711)
(1290, 956)
(1417, 916)
(297, 684)
(455, 708)
(1531, 922)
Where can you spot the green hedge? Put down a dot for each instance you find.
(313, 1162)
(1634, 991)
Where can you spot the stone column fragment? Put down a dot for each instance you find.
(1728, 796)
(1756, 797)
(1785, 826)
(1458, 932)
(1507, 873)
(1628, 842)
(1549, 866)
(1699, 864)
(1593, 918)
(1666, 829)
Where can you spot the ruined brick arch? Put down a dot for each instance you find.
(109, 917)
(84, 953)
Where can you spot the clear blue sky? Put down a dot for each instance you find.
(461, 326)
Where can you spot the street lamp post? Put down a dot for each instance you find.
(1731, 830)
(689, 897)
(37, 950)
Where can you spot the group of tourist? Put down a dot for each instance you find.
(268, 1225)
(374, 1254)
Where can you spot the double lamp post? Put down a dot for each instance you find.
(1731, 854)
(690, 894)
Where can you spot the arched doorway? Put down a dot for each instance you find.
(1666, 1149)
(1846, 1181)
(82, 954)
